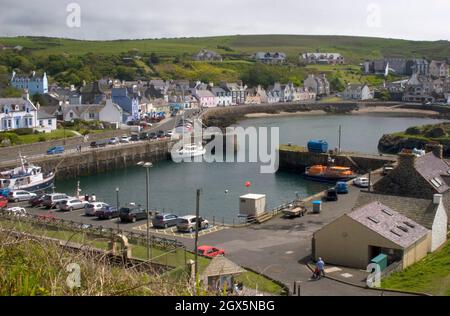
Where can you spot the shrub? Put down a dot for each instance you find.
(436, 132)
(23, 131)
(413, 131)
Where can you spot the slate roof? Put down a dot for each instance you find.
(41, 115)
(431, 167)
(390, 224)
(421, 211)
(222, 266)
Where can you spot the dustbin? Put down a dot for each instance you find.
(317, 207)
(381, 260)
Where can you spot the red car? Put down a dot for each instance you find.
(211, 252)
(3, 202)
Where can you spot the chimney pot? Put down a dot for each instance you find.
(437, 199)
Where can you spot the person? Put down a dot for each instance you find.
(320, 265)
(93, 198)
(86, 197)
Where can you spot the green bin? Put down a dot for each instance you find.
(381, 260)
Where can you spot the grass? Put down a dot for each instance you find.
(175, 258)
(431, 275)
(292, 148)
(42, 137)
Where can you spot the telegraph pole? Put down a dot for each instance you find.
(340, 136)
(197, 215)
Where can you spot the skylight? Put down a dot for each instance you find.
(387, 212)
(402, 228)
(436, 182)
(373, 220)
(395, 233)
(410, 225)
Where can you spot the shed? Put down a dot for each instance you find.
(252, 204)
(220, 273)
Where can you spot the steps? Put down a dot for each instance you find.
(264, 217)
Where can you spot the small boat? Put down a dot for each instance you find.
(189, 151)
(330, 174)
(26, 177)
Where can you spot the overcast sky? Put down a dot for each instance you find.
(102, 19)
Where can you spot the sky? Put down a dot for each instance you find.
(131, 19)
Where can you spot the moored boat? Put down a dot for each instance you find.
(331, 174)
(189, 151)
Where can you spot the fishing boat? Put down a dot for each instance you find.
(330, 174)
(27, 177)
(189, 151)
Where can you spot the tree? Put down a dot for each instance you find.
(154, 59)
(337, 85)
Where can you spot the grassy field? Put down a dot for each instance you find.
(355, 49)
(175, 258)
(431, 275)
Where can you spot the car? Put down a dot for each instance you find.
(165, 220)
(17, 211)
(153, 135)
(169, 133)
(100, 143)
(107, 212)
(114, 140)
(361, 182)
(51, 200)
(134, 137)
(132, 214)
(92, 208)
(144, 136)
(36, 201)
(125, 139)
(331, 195)
(188, 223)
(210, 252)
(72, 204)
(161, 134)
(20, 195)
(3, 202)
(341, 188)
(55, 150)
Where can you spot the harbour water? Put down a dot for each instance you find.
(173, 186)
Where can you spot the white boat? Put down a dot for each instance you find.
(27, 177)
(189, 151)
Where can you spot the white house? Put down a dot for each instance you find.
(17, 113)
(84, 112)
(224, 97)
(45, 122)
(206, 98)
(357, 92)
(111, 113)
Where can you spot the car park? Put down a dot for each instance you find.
(107, 212)
(132, 214)
(50, 200)
(20, 195)
(165, 220)
(188, 223)
(17, 211)
(125, 139)
(72, 204)
(3, 202)
(55, 150)
(92, 208)
(209, 251)
(361, 182)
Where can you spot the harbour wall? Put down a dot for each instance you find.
(296, 159)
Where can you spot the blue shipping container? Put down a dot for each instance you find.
(318, 146)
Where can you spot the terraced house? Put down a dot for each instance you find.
(322, 58)
(33, 84)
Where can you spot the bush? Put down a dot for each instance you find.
(436, 132)
(413, 131)
(24, 131)
(42, 138)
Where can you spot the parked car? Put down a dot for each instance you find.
(161, 134)
(50, 200)
(165, 220)
(20, 195)
(114, 140)
(100, 143)
(107, 212)
(134, 137)
(132, 214)
(17, 211)
(3, 202)
(144, 136)
(36, 201)
(92, 208)
(72, 204)
(55, 150)
(153, 135)
(188, 223)
(342, 188)
(361, 182)
(209, 251)
(331, 195)
(125, 139)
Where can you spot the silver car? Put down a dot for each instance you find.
(72, 204)
(92, 208)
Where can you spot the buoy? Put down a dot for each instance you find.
(226, 191)
(248, 184)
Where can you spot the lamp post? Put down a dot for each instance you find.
(147, 166)
(117, 208)
(197, 215)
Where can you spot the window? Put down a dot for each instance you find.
(50, 122)
(436, 182)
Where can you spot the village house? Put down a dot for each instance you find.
(159, 106)
(274, 93)
(419, 89)
(224, 97)
(317, 84)
(206, 98)
(93, 93)
(45, 123)
(237, 91)
(322, 58)
(22, 113)
(84, 112)
(256, 96)
(398, 66)
(128, 101)
(419, 177)
(270, 57)
(438, 69)
(112, 113)
(357, 92)
(34, 84)
(208, 55)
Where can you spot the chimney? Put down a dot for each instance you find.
(437, 199)
(436, 149)
(406, 158)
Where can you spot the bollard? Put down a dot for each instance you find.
(233, 221)
(214, 221)
(295, 288)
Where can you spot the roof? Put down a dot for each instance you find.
(390, 224)
(432, 168)
(221, 266)
(252, 196)
(422, 211)
(204, 94)
(44, 115)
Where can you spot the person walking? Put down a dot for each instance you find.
(320, 265)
